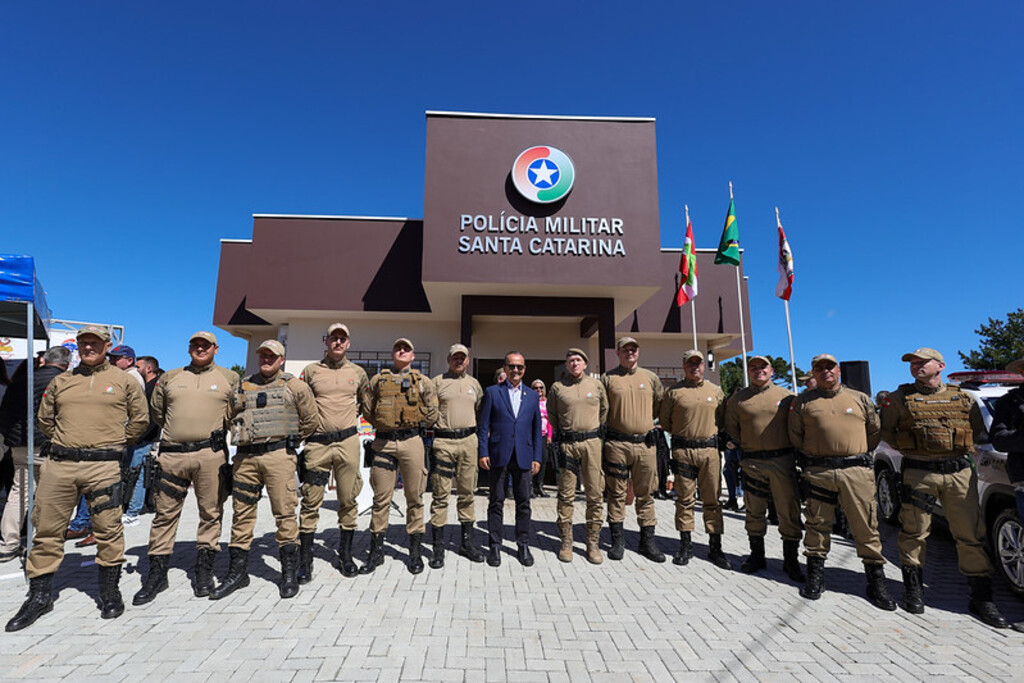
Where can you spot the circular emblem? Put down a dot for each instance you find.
(543, 174)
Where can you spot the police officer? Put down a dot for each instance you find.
(91, 416)
(835, 429)
(1007, 434)
(577, 409)
(454, 455)
(933, 425)
(634, 399)
(755, 420)
(399, 402)
(336, 383)
(193, 405)
(273, 411)
(692, 413)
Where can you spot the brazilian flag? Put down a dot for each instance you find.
(729, 247)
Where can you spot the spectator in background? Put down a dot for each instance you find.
(545, 429)
(149, 368)
(123, 356)
(13, 428)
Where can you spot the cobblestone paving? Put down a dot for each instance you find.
(621, 621)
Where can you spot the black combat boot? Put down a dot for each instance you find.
(415, 563)
(346, 565)
(156, 580)
(202, 577)
(791, 561)
(39, 602)
(376, 557)
(437, 538)
(913, 590)
(618, 549)
(755, 562)
(305, 571)
(815, 584)
(685, 552)
(289, 555)
(715, 553)
(981, 604)
(111, 603)
(877, 593)
(469, 549)
(648, 548)
(238, 574)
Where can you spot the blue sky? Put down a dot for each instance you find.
(134, 136)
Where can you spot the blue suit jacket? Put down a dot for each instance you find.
(500, 433)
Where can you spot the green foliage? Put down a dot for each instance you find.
(1001, 343)
(731, 373)
(239, 370)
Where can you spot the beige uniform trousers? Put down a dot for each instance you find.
(853, 488)
(458, 457)
(17, 499)
(61, 483)
(201, 469)
(275, 470)
(958, 493)
(775, 477)
(588, 455)
(341, 457)
(708, 464)
(624, 461)
(405, 457)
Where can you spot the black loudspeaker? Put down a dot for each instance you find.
(856, 375)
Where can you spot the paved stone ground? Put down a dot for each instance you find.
(629, 620)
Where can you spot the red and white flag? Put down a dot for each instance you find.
(687, 267)
(784, 289)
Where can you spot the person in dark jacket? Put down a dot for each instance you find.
(1007, 435)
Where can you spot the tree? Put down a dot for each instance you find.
(731, 373)
(239, 370)
(1001, 342)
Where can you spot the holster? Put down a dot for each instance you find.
(300, 465)
(219, 440)
(368, 454)
(150, 470)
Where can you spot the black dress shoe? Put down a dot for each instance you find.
(525, 556)
(494, 556)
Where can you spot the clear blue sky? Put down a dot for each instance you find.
(134, 136)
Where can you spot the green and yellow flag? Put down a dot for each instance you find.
(729, 246)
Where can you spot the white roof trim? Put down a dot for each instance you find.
(335, 218)
(484, 115)
(226, 241)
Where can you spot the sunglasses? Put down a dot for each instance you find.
(516, 366)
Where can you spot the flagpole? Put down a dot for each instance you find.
(739, 304)
(789, 327)
(693, 310)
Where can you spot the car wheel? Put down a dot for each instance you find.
(887, 495)
(1008, 547)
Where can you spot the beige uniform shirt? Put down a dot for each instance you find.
(756, 418)
(577, 405)
(94, 407)
(301, 395)
(692, 410)
(458, 398)
(368, 399)
(336, 387)
(833, 423)
(634, 399)
(191, 402)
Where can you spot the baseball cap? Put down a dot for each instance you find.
(761, 358)
(692, 353)
(626, 340)
(403, 340)
(272, 345)
(823, 356)
(122, 350)
(338, 326)
(203, 334)
(924, 353)
(577, 352)
(456, 348)
(95, 330)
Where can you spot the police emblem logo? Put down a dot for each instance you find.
(543, 174)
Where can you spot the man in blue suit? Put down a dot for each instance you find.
(510, 443)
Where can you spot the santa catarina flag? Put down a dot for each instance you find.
(687, 268)
(784, 288)
(729, 246)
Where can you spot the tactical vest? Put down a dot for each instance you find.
(268, 413)
(399, 404)
(942, 423)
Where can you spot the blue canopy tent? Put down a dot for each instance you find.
(24, 315)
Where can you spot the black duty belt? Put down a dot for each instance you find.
(943, 466)
(398, 434)
(680, 442)
(613, 435)
(836, 463)
(85, 454)
(766, 455)
(187, 447)
(576, 437)
(260, 448)
(333, 437)
(454, 433)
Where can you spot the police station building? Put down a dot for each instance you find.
(538, 233)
